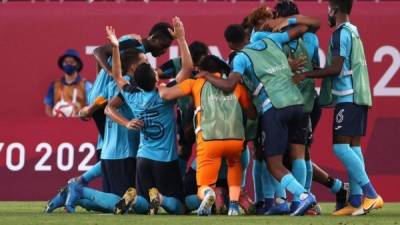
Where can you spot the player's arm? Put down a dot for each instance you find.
(101, 54)
(226, 85)
(86, 112)
(116, 71)
(112, 112)
(333, 70)
(176, 91)
(187, 63)
(341, 46)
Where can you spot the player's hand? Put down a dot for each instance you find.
(134, 124)
(298, 78)
(179, 30)
(111, 36)
(84, 113)
(297, 65)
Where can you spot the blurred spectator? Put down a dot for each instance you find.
(67, 95)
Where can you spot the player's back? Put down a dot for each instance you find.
(158, 136)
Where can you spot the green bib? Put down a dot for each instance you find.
(307, 86)
(221, 115)
(359, 73)
(251, 129)
(272, 69)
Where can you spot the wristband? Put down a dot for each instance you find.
(292, 21)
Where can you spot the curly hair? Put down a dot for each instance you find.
(259, 15)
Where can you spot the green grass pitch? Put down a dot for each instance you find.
(25, 213)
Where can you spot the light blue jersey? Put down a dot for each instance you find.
(119, 142)
(312, 45)
(340, 45)
(158, 136)
(103, 79)
(243, 65)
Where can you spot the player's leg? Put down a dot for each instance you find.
(232, 153)
(258, 186)
(192, 202)
(349, 125)
(208, 164)
(276, 130)
(298, 127)
(245, 202)
(168, 192)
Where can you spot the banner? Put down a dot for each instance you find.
(39, 154)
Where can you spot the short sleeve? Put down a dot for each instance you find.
(341, 43)
(239, 63)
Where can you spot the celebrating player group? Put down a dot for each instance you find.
(150, 119)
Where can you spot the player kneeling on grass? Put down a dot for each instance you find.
(117, 157)
(158, 180)
(219, 131)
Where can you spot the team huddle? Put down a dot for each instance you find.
(150, 119)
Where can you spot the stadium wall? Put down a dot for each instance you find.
(38, 154)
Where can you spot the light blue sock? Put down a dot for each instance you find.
(245, 161)
(140, 205)
(267, 185)
(257, 180)
(280, 191)
(172, 205)
(309, 176)
(355, 188)
(290, 183)
(367, 189)
(192, 202)
(354, 166)
(299, 172)
(91, 205)
(93, 173)
(104, 200)
(337, 185)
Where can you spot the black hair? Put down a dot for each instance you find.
(129, 57)
(213, 64)
(160, 31)
(343, 6)
(198, 50)
(235, 34)
(145, 77)
(285, 8)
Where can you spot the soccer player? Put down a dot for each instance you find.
(158, 178)
(346, 84)
(117, 157)
(169, 70)
(156, 43)
(263, 66)
(307, 47)
(219, 132)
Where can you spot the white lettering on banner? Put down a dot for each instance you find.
(322, 58)
(381, 88)
(9, 157)
(15, 163)
(83, 166)
(40, 165)
(60, 156)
